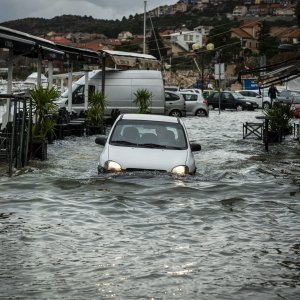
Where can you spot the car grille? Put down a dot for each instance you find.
(145, 170)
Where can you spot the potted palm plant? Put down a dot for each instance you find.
(44, 111)
(95, 113)
(143, 100)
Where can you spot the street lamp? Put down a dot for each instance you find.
(196, 47)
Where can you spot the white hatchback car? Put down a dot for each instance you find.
(260, 97)
(146, 142)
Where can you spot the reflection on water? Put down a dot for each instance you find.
(229, 232)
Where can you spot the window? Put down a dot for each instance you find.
(171, 97)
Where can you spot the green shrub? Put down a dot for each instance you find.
(96, 108)
(44, 108)
(143, 100)
(281, 115)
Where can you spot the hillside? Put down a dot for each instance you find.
(71, 23)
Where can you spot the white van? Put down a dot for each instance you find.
(120, 86)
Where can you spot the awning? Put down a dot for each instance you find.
(130, 60)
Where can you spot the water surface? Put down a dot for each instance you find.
(229, 232)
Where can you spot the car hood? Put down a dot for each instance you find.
(147, 158)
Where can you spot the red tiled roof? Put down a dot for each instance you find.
(59, 40)
(241, 33)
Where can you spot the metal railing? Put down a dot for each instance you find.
(15, 131)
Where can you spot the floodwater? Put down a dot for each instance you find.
(229, 232)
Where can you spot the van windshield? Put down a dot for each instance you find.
(65, 93)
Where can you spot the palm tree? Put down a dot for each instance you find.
(44, 108)
(143, 100)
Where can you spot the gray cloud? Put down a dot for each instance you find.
(98, 9)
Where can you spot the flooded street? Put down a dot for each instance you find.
(229, 232)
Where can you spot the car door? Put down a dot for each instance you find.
(190, 103)
(174, 104)
(228, 101)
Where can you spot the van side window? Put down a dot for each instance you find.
(78, 94)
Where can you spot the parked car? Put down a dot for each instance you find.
(195, 104)
(172, 88)
(260, 97)
(192, 90)
(230, 100)
(147, 142)
(206, 93)
(296, 107)
(286, 96)
(174, 104)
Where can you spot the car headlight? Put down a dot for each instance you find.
(180, 170)
(248, 102)
(112, 166)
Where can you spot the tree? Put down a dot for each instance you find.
(267, 45)
(156, 45)
(297, 12)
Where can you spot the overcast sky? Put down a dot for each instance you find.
(98, 9)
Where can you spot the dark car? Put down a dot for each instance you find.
(230, 100)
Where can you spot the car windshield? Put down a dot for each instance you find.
(149, 134)
(238, 95)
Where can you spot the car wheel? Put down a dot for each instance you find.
(266, 105)
(239, 107)
(201, 113)
(175, 113)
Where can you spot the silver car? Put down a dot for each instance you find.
(146, 142)
(174, 104)
(286, 96)
(195, 104)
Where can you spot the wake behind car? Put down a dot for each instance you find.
(230, 100)
(146, 142)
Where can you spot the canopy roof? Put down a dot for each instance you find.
(31, 46)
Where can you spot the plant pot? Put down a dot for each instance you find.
(39, 149)
(287, 130)
(274, 136)
(91, 130)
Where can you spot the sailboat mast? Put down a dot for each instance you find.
(144, 46)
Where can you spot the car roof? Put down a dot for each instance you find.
(150, 117)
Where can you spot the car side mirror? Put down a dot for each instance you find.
(101, 140)
(195, 147)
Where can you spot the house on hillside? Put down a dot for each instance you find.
(58, 38)
(290, 36)
(124, 36)
(201, 5)
(180, 6)
(254, 10)
(248, 32)
(239, 11)
(286, 11)
(182, 41)
(204, 30)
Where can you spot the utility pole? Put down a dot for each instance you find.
(144, 46)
